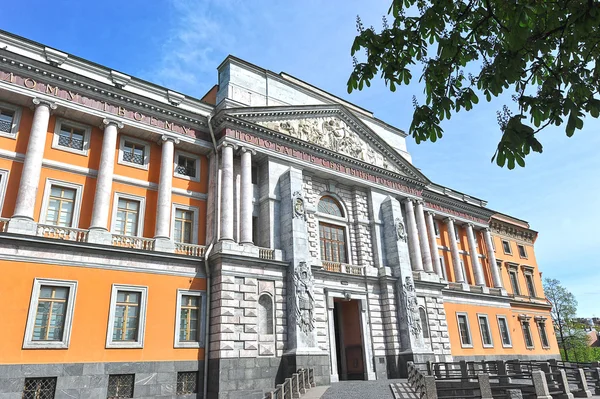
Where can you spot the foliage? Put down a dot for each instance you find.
(570, 334)
(544, 51)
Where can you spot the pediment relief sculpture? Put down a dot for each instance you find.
(333, 134)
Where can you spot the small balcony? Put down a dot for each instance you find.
(344, 268)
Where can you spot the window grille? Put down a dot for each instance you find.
(6, 120)
(186, 166)
(120, 386)
(39, 388)
(133, 153)
(187, 382)
(71, 137)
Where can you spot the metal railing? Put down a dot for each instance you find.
(3, 224)
(266, 253)
(189, 249)
(133, 158)
(133, 242)
(70, 142)
(294, 386)
(343, 268)
(186, 170)
(5, 126)
(61, 233)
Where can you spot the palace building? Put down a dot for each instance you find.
(157, 245)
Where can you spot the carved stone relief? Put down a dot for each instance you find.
(333, 134)
(400, 229)
(411, 305)
(298, 205)
(304, 304)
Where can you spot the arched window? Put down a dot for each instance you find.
(424, 322)
(332, 235)
(265, 314)
(329, 206)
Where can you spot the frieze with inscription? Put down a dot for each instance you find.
(85, 100)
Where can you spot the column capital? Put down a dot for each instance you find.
(419, 201)
(407, 200)
(247, 149)
(430, 213)
(107, 122)
(450, 220)
(228, 144)
(471, 225)
(37, 101)
(165, 137)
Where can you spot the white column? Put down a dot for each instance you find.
(477, 270)
(104, 180)
(433, 247)
(423, 240)
(458, 273)
(227, 192)
(413, 236)
(32, 167)
(246, 194)
(165, 188)
(496, 278)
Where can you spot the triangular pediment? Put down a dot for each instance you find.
(333, 128)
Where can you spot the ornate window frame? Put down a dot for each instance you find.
(139, 343)
(201, 320)
(16, 122)
(343, 222)
(76, 201)
(524, 320)
(147, 148)
(87, 132)
(503, 317)
(540, 322)
(519, 246)
(466, 316)
(195, 212)
(28, 342)
(487, 322)
(509, 247)
(195, 157)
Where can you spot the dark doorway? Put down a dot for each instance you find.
(348, 340)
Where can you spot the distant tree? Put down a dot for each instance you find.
(546, 52)
(564, 309)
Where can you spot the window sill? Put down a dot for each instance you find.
(186, 177)
(133, 165)
(46, 345)
(125, 345)
(507, 346)
(9, 135)
(188, 345)
(83, 152)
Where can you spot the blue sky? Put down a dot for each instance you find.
(179, 44)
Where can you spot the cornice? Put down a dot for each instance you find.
(460, 206)
(511, 231)
(237, 116)
(230, 122)
(102, 92)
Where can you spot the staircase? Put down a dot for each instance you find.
(295, 386)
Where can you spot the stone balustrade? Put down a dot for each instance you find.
(189, 249)
(343, 268)
(61, 233)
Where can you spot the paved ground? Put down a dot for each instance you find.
(379, 389)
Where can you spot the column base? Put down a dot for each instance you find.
(22, 225)
(99, 236)
(163, 244)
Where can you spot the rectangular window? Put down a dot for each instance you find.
(436, 228)
(190, 319)
(514, 281)
(527, 334)
(39, 388)
(50, 314)
(484, 327)
(60, 206)
(134, 152)
(127, 317)
(504, 332)
(10, 117)
(530, 285)
(543, 335)
(506, 247)
(443, 266)
(184, 222)
(127, 217)
(522, 251)
(187, 382)
(7, 117)
(463, 329)
(333, 243)
(71, 136)
(186, 166)
(120, 386)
